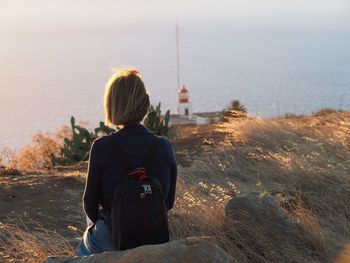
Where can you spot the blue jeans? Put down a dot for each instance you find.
(95, 240)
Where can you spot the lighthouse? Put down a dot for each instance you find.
(184, 107)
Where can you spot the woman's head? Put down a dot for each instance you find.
(126, 100)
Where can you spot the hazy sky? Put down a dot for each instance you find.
(62, 14)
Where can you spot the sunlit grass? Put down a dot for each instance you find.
(19, 243)
(305, 162)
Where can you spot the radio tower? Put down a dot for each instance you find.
(184, 106)
(177, 56)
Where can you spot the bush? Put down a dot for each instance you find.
(157, 122)
(236, 105)
(77, 148)
(235, 110)
(325, 111)
(37, 154)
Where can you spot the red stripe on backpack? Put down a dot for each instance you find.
(139, 173)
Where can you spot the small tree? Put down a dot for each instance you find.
(235, 110)
(237, 106)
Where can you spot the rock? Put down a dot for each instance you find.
(256, 221)
(6, 171)
(257, 207)
(255, 211)
(192, 249)
(15, 172)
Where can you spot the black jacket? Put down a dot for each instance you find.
(105, 168)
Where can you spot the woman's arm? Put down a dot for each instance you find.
(92, 190)
(173, 176)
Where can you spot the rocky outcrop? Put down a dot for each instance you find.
(256, 221)
(192, 249)
(258, 207)
(261, 211)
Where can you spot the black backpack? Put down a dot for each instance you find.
(138, 211)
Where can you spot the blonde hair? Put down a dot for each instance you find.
(126, 100)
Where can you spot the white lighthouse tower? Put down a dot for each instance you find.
(184, 106)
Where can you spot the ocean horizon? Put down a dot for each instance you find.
(47, 77)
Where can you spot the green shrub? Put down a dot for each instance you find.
(77, 148)
(157, 122)
(236, 105)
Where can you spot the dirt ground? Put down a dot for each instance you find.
(51, 199)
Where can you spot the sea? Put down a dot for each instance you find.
(48, 76)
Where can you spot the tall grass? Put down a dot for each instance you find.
(19, 243)
(305, 162)
(199, 211)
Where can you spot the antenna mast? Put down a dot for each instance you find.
(177, 56)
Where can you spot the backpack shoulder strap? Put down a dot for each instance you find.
(121, 154)
(150, 152)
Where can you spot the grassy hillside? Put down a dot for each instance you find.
(304, 161)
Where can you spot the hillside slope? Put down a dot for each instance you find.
(305, 162)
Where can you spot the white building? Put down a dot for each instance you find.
(185, 113)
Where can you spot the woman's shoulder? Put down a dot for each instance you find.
(164, 141)
(101, 141)
(166, 147)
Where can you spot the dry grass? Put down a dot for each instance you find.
(199, 211)
(304, 161)
(37, 154)
(30, 245)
